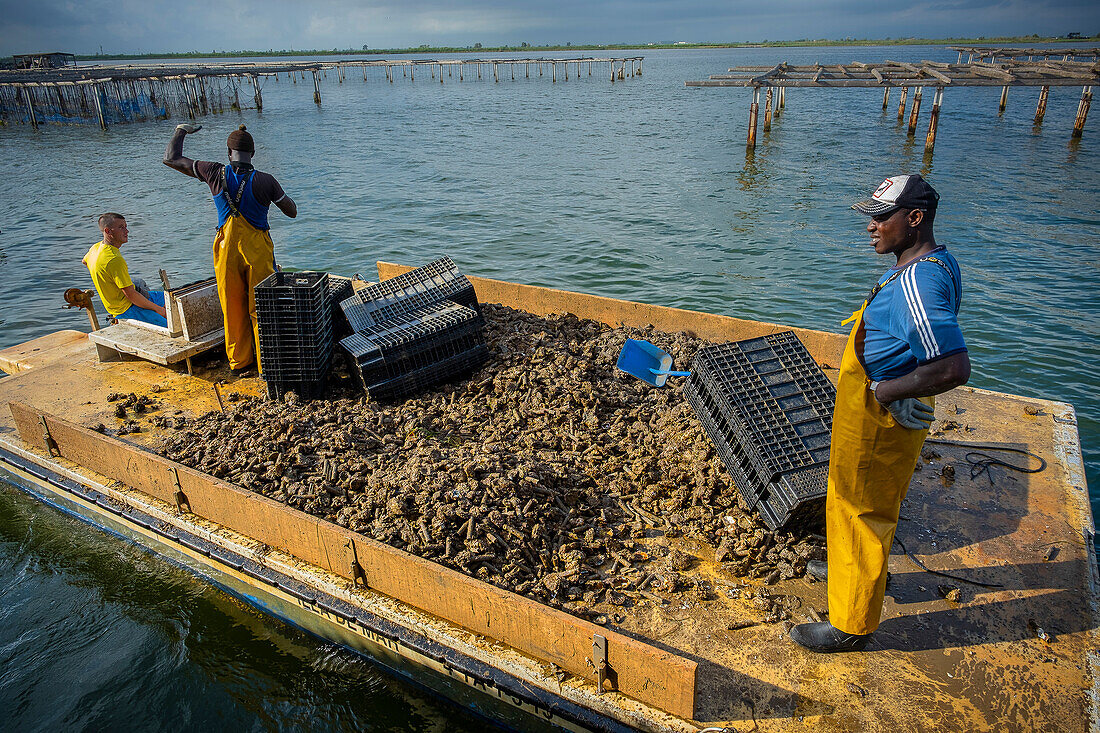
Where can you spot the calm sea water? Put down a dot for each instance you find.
(638, 190)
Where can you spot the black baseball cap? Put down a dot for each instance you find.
(900, 192)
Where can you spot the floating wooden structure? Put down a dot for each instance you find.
(898, 74)
(981, 53)
(118, 94)
(1021, 646)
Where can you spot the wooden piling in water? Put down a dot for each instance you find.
(30, 106)
(901, 103)
(915, 112)
(316, 89)
(753, 110)
(782, 94)
(933, 121)
(99, 107)
(257, 97)
(1082, 111)
(1004, 99)
(768, 110)
(1041, 108)
(885, 98)
(187, 93)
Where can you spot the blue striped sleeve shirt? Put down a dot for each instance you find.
(915, 319)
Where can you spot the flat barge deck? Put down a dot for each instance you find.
(1018, 656)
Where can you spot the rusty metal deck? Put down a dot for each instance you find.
(935, 664)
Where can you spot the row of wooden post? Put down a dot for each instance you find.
(1041, 108)
(914, 112)
(409, 70)
(194, 92)
(193, 88)
(754, 110)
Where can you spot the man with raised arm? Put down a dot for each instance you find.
(122, 296)
(243, 251)
(905, 346)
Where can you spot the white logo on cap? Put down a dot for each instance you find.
(883, 188)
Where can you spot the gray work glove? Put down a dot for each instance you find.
(909, 412)
(188, 128)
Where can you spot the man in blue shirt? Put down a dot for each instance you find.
(904, 347)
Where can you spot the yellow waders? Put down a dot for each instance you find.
(243, 257)
(870, 464)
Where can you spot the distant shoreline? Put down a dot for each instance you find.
(596, 47)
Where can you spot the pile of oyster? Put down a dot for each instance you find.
(547, 472)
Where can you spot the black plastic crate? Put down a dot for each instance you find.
(767, 407)
(415, 340)
(451, 368)
(308, 389)
(436, 281)
(294, 316)
(339, 290)
(299, 367)
(304, 289)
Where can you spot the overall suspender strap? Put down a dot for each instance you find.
(235, 201)
(879, 286)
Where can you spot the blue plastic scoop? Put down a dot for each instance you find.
(646, 362)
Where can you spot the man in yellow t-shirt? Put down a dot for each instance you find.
(120, 296)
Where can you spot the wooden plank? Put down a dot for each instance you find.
(991, 71)
(42, 350)
(768, 74)
(157, 347)
(643, 672)
(939, 75)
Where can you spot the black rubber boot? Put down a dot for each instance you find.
(818, 569)
(824, 637)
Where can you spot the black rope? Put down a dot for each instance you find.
(927, 569)
(980, 462)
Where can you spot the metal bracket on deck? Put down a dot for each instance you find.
(180, 497)
(51, 444)
(357, 572)
(604, 673)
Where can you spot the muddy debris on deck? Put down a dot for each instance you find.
(547, 472)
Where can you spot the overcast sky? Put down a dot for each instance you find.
(120, 26)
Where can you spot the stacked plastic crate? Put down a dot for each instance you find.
(414, 331)
(294, 313)
(767, 407)
(339, 290)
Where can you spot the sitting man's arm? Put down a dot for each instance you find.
(141, 301)
(173, 154)
(933, 378)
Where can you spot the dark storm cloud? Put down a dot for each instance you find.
(134, 25)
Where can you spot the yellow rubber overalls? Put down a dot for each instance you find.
(243, 257)
(871, 462)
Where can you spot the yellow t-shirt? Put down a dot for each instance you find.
(110, 275)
